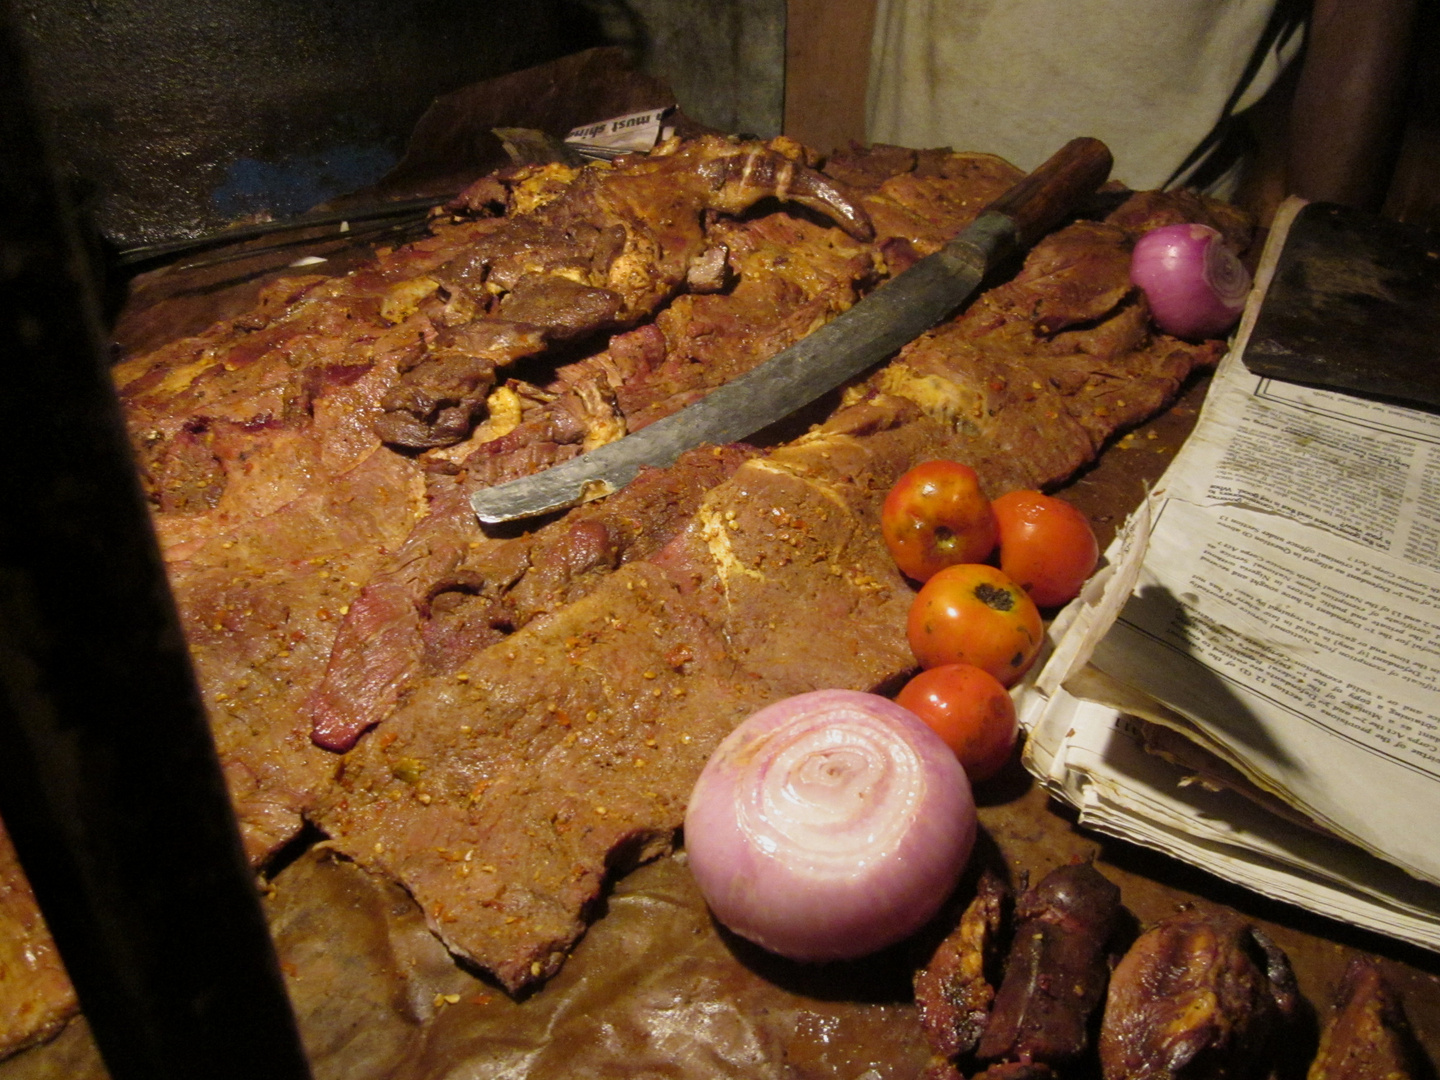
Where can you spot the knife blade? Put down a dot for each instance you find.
(893, 315)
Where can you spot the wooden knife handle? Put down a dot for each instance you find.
(1040, 201)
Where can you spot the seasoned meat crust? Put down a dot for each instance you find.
(952, 993)
(538, 708)
(293, 530)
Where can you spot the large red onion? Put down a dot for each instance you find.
(829, 825)
(1195, 284)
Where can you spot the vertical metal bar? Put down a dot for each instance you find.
(109, 783)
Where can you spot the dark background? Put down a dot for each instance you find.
(176, 117)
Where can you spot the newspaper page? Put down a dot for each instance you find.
(1285, 619)
(633, 133)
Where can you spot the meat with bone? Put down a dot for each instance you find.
(1367, 1036)
(1056, 972)
(1201, 995)
(953, 991)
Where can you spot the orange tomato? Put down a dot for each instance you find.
(968, 708)
(1046, 545)
(936, 516)
(974, 614)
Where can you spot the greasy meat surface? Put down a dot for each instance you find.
(541, 707)
(778, 556)
(260, 607)
(1056, 972)
(952, 992)
(697, 343)
(918, 199)
(568, 750)
(446, 595)
(275, 497)
(1201, 996)
(605, 253)
(1367, 1036)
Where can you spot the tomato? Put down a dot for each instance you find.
(968, 708)
(974, 614)
(1046, 545)
(936, 516)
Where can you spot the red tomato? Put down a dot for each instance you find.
(968, 708)
(936, 516)
(974, 614)
(1046, 545)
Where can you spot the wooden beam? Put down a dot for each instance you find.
(827, 61)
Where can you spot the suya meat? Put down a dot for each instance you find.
(1201, 995)
(602, 255)
(1367, 1036)
(1056, 971)
(328, 580)
(952, 991)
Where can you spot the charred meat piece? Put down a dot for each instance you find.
(1055, 975)
(1367, 1036)
(36, 998)
(1200, 996)
(442, 390)
(951, 991)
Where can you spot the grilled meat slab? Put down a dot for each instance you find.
(35, 995)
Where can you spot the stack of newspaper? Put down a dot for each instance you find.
(1253, 683)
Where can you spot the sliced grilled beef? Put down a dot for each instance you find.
(322, 573)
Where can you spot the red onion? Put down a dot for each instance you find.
(1195, 284)
(829, 825)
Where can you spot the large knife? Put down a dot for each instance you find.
(893, 315)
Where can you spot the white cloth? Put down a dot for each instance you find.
(1154, 79)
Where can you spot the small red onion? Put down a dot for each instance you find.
(829, 825)
(1195, 284)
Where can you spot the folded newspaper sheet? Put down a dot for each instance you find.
(629, 134)
(1253, 684)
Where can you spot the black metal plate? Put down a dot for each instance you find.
(1354, 306)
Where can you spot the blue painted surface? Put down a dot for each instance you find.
(299, 183)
